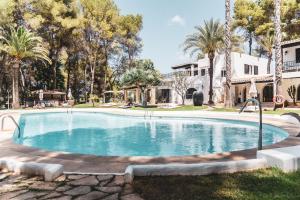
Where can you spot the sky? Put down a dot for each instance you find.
(166, 23)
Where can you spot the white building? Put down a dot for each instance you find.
(291, 67)
(244, 68)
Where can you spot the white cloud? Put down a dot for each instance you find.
(178, 20)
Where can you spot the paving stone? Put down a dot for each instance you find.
(29, 195)
(105, 177)
(16, 179)
(51, 195)
(127, 189)
(35, 178)
(104, 183)
(62, 198)
(118, 181)
(80, 190)
(10, 195)
(61, 178)
(114, 189)
(43, 186)
(131, 197)
(76, 177)
(92, 196)
(5, 187)
(3, 176)
(63, 188)
(89, 181)
(112, 197)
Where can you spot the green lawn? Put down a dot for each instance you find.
(267, 184)
(193, 108)
(86, 105)
(180, 108)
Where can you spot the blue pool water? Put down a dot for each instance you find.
(114, 135)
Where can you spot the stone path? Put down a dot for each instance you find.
(65, 187)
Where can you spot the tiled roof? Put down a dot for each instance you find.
(257, 78)
(184, 65)
(290, 41)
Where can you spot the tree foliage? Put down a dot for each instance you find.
(143, 75)
(90, 45)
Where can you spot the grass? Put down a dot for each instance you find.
(85, 105)
(280, 112)
(193, 108)
(258, 185)
(180, 108)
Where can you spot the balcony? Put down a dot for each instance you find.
(291, 66)
(171, 75)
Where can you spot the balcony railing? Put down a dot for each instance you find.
(291, 66)
(172, 74)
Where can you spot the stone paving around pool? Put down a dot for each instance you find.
(65, 187)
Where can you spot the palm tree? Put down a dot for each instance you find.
(228, 100)
(207, 40)
(20, 44)
(278, 56)
(266, 42)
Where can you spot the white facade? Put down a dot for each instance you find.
(199, 75)
(291, 59)
(291, 67)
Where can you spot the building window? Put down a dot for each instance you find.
(202, 72)
(189, 93)
(223, 73)
(247, 69)
(298, 55)
(196, 73)
(255, 70)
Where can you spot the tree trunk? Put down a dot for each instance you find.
(93, 67)
(68, 81)
(211, 75)
(16, 98)
(144, 102)
(92, 79)
(269, 64)
(250, 44)
(278, 56)
(228, 96)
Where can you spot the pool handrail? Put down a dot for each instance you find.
(7, 115)
(260, 146)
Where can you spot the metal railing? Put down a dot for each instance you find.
(172, 74)
(6, 115)
(260, 145)
(291, 66)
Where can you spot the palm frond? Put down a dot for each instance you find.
(20, 43)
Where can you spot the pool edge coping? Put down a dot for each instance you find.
(271, 122)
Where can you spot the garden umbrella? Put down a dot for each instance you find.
(253, 90)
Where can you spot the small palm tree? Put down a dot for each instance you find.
(209, 39)
(266, 42)
(20, 44)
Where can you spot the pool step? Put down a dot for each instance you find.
(287, 159)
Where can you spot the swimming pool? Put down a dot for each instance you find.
(115, 135)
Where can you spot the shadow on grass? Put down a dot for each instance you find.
(261, 185)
